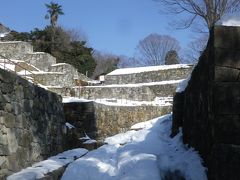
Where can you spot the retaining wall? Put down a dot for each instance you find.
(146, 92)
(175, 72)
(31, 123)
(100, 120)
(208, 110)
(15, 49)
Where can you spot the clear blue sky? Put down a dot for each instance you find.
(114, 26)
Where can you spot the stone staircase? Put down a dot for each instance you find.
(39, 67)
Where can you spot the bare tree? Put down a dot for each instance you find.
(210, 11)
(105, 63)
(154, 48)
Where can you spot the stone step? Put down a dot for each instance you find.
(138, 92)
(148, 74)
(41, 60)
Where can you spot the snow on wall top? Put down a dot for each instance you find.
(147, 69)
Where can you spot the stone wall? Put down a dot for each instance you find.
(208, 110)
(31, 123)
(41, 60)
(15, 49)
(100, 120)
(146, 92)
(111, 120)
(170, 72)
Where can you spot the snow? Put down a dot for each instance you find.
(90, 141)
(183, 84)
(74, 99)
(147, 69)
(69, 126)
(3, 34)
(148, 153)
(38, 170)
(230, 20)
(137, 84)
(27, 72)
(59, 64)
(86, 137)
(7, 66)
(158, 101)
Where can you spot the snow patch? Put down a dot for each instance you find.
(74, 99)
(69, 126)
(183, 84)
(147, 69)
(38, 170)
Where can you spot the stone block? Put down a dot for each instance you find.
(227, 58)
(226, 98)
(3, 139)
(226, 74)
(4, 150)
(225, 162)
(12, 140)
(7, 88)
(9, 120)
(227, 37)
(227, 129)
(8, 107)
(3, 160)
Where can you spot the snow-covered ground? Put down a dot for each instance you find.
(144, 153)
(40, 169)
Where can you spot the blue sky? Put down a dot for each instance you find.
(113, 26)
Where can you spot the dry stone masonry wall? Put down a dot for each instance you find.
(100, 121)
(15, 49)
(147, 92)
(172, 72)
(208, 110)
(31, 123)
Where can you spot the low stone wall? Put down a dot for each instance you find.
(100, 120)
(150, 76)
(31, 123)
(15, 49)
(41, 60)
(134, 92)
(111, 120)
(208, 110)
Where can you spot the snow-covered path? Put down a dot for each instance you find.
(146, 153)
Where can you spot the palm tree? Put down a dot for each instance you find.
(54, 10)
